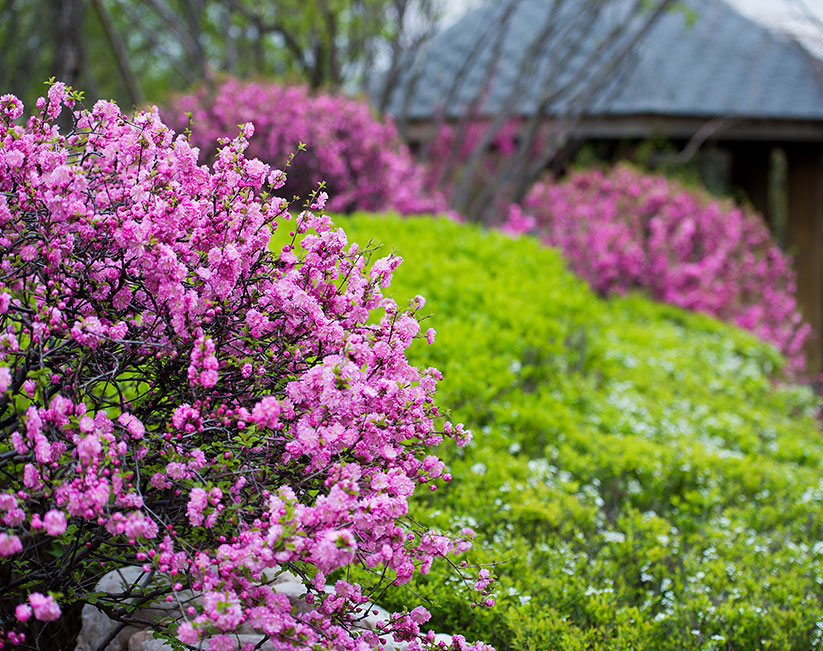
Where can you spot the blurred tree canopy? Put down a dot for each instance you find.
(138, 50)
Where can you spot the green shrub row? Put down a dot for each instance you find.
(636, 475)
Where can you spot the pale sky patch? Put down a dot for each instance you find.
(802, 19)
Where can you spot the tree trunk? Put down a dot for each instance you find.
(68, 59)
(67, 30)
(118, 48)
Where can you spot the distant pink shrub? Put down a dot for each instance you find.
(362, 160)
(625, 229)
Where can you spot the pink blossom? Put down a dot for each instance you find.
(10, 107)
(187, 634)
(334, 549)
(177, 470)
(23, 612)
(88, 448)
(14, 158)
(57, 94)
(277, 179)
(223, 609)
(89, 331)
(483, 579)
(9, 544)
(31, 476)
(132, 424)
(14, 517)
(55, 522)
(266, 412)
(221, 643)
(44, 606)
(198, 500)
(33, 422)
(29, 387)
(5, 379)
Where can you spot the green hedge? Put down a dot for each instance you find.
(636, 474)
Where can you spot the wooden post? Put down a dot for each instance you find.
(804, 234)
(750, 172)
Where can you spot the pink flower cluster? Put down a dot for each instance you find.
(43, 607)
(177, 396)
(363, 162)
(626, 230)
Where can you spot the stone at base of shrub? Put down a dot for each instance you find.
(145, 641)
(97, 626)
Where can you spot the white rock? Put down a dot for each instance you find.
(145, 641)
(96, 625)
(169, 610)
(275, 576)
(120, 580)
(442, 637)
(375, 614)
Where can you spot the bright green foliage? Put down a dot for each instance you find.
(635, 470)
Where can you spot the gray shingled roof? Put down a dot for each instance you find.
(719, 64)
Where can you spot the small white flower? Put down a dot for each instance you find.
(614, 536)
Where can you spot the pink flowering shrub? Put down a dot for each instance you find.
(626, 230)
(176, 396)
(362, 161)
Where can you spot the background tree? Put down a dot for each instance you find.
(515, 76)
(162, 45)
